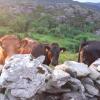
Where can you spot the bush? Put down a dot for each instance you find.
(4, 19)
(41, 30)
(20, 24)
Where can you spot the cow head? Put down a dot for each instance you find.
(53, 52)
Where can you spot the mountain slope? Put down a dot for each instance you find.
(64, 11)
(95, 6)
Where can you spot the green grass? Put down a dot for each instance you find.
(68, 56)
(69, 43)
(46, 38)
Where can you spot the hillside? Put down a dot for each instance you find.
(95, 6)
(69, 7)
(69, 12)
(38, 1)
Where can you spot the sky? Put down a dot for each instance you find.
(88, 0)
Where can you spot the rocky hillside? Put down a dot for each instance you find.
(64, 11)
(95, 6)
(66, 7)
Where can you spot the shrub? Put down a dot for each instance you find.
(20, 24)
(41, 30)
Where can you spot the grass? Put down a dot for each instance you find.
(62, 41)
(68, 56)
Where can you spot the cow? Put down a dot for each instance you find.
(51, 52)
(27, 44)
(10, 44)
(89, 51)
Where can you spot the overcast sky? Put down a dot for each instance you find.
(88, 0)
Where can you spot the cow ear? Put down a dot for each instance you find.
(62, 49)
(47, 48)
(24, 43)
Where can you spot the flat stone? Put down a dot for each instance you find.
(96, 65)
(80, 69)
(91, 90)
(94, 74)
(73, 96)
(87, 80)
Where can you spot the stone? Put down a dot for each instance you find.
(59, 77)
(2, 96)
(96, 65)
(94, 74)
(89, 95)
(94, 98)
(87, 80)
(91, 90)
(98, 68)
(95, 70)
(72, 96)
(78, 84)
(24, 76)
(80, 69)
(97, 84)
(8, 96)
(58, 74)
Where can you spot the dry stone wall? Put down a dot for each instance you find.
(26, 78)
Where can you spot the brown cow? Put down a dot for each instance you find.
(82, 45)
(10, 44)
(51, 52)
(27, 44)
(89, 52)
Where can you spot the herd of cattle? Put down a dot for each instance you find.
(89, 51)
(11, 44)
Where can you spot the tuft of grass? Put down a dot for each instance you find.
(68, 56)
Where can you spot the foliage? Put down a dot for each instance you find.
(21, 23)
